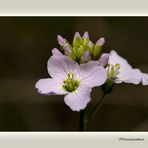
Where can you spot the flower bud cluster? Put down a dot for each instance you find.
(82, 49)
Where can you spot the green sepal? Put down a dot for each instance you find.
(73, 53)
(108, 86)
(80, 51)
(78, 54)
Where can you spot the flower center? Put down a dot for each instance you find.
(70, 84)
(112, 70)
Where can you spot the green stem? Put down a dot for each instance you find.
(95, 109)
(81, 121)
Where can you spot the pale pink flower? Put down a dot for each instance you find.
(72, 80)
(121, 71)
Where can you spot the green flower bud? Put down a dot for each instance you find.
(101, 41)
(98, 47)
(60, 40)
(79, 53)
(104, 60)
(86, 57)
(74, 53)
(64, 45)
(85, 42)
(67, 50)
(96, 51)
(89, 47)
(85, 35)
(77, 40)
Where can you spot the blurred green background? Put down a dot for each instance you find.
(25, 47)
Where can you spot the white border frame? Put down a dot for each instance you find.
(73, 139)
(73, 8)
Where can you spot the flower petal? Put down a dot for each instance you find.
(49, 86)
(132, 76)
(60, 66)
(92, 75)
(127, 74)
(55, 52)
(144, 79)
(114, 58)
(79, 99)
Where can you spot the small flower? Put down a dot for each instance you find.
(120, 70)
(72, 80)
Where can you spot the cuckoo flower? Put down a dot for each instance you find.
(72, 80)
(119, 70)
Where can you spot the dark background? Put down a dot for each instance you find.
(25, 46)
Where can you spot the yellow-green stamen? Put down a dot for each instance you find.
(70, 84)
(113, 70)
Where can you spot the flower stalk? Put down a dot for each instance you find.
(94, 110)
(82, 124)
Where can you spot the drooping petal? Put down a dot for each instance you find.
(92, 75)
(131, 76)
(60, 66)
(144, 79)
(49, 86)
(79, 99)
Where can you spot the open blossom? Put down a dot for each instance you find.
(120, 70)
(72, 80)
